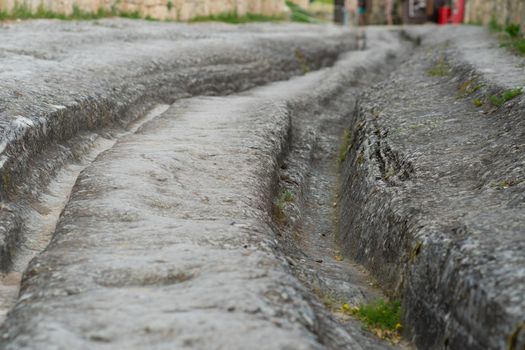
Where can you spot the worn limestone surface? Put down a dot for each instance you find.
(64, 82)
(433, 198)
(167, 239)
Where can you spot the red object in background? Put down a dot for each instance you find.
(459, 12)
(444, 15)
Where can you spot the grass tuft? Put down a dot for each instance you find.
(286, 196)
(381, 317)
(234, 18)
(507, 95)
(514, 44)
(468, 88)
(299, 14)
(513, 30)
(477, 102)
(440, 69)
(494, 26)
(512, 37)
(131, 15)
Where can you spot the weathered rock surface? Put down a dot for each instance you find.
(433, 198)
(63, 83)
(167, 240)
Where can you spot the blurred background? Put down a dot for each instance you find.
(499, 14)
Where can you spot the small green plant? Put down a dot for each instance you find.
(506, 183)
(440, 69)
(494, 26)
(513, 30)
(299, 14)
(512, 38)
(77, 12)
(278, 208)
(468, 88)
(477, 102)
(519, 45)
(21, 11)
(286, 196)
(507, 95)
(301, 59)
(234, 18)
(514, 44)
(132, 14)
(346, 145)
(381, 317)
(169, 5)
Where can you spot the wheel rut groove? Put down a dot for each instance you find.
(307, 222)
(42, 214)
(49, 141)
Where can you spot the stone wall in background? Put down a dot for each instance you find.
(181, 10)
(503, 11)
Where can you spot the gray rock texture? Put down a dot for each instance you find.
(163, 225)
(64, 82)
(167, 239)
(433, 199)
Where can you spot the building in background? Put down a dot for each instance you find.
(411, 11)
(502, 12)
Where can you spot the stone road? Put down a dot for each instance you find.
(142, 170)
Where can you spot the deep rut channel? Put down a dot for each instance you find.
(305, 208)
(44, 212)
(168, 238)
